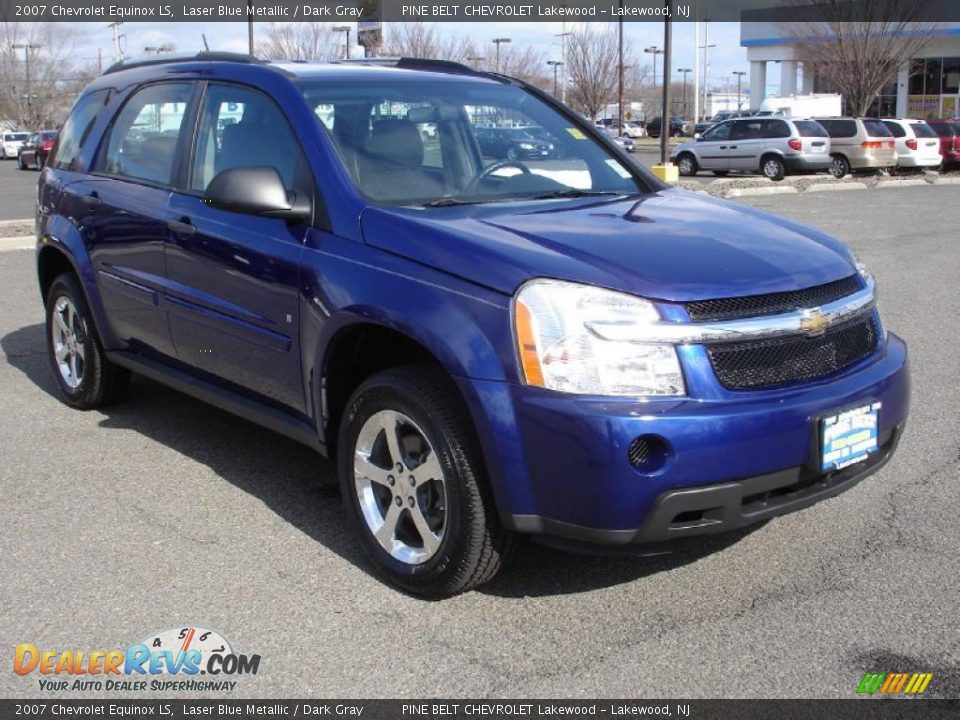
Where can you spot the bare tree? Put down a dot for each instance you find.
(422, 40)
(56, 73)
(592, 59)
(860, 46)
(302, 41)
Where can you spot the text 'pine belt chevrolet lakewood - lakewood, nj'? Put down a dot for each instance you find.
(549, 343)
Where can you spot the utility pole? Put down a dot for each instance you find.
(665, 107)
(117, 50)
(498, 42)
(620, 70)
(250, 27)
(696, 63)
(27, 47)
(739, 74)
(557, 64)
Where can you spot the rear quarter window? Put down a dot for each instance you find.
(895, 128)
(810, 128)
(875, 128)
(77, 129)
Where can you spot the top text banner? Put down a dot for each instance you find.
(370, 11)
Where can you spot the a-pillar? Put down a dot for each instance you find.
(758, 83)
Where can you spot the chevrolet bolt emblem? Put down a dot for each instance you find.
(814, 322)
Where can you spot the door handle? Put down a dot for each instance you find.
(723, 147)
(733, 147)
(183, 226)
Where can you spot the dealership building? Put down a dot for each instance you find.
(926, 87)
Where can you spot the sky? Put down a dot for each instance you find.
(725, 58)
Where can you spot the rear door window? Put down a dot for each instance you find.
(775, 129)
(143, 141)
(746, 130)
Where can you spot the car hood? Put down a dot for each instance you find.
(671, 245)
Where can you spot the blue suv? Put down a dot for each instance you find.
(562, 347)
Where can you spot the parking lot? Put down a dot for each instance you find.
(162, 512)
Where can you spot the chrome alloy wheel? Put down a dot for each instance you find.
(400, 487)
(69, 341)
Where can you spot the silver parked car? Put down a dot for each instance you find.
(773, 146)
(859, 144)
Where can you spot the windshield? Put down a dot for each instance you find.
(13, 137)
(446, 142)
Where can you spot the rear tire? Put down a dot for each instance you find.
(840, 167)
(773, 168)
(437, 534)
(86, 379)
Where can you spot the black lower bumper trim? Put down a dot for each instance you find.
(709, 509)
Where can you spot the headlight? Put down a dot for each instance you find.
(526, 146)
(862, 269)
(559, 334)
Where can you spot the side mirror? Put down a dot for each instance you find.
(697, 136)
(256, 191)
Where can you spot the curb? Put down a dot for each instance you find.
(839, 187)
(723, 189)
(751, 192)
(17, 242)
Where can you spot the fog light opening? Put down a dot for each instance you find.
(649, 453)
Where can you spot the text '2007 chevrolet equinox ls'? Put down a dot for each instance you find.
(560, 347)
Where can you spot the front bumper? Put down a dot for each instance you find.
(559, 464)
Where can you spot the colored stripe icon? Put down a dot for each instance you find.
(894, 683)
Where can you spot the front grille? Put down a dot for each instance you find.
(772, 303)
(776, 361)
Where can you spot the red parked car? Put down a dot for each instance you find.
(34, 152)
(949, 133)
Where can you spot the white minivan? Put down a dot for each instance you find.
(917, 145)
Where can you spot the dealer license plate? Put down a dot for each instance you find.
(848, 437)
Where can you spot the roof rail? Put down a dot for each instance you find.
(410, 63)
(206, 55)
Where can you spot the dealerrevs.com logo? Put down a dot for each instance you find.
(169, 661)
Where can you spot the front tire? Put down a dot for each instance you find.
(86, 379)
(414, 485)
(773, 168)
(687, 165)
(20, 164)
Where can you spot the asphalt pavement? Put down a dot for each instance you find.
(162, 512)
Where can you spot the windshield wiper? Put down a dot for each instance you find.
(573, 193)
(449, 202)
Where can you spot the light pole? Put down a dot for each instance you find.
(563, 57)
(683, 106)
(250, 27)
(27, 47)
(498, 42)
(706, 63)
(654, 50)
(665, 100)
(739, 74)
(346, 47)
(556, 66)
